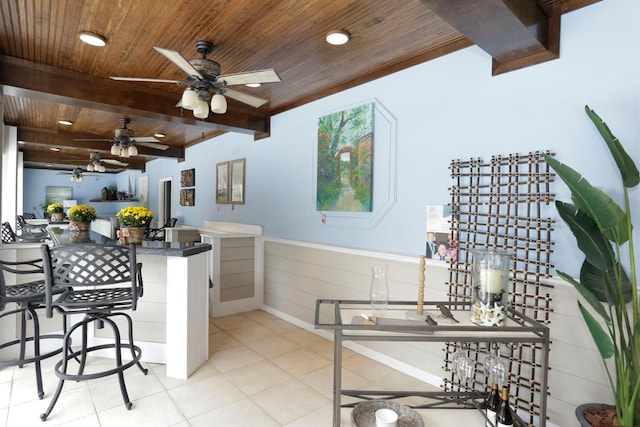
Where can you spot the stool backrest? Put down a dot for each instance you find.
(17, 269)
(8, 236)
(94, 265)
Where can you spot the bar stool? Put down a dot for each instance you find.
(27, 297)
(103, 282)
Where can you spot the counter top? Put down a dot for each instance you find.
(147, 247)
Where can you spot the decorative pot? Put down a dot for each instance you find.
(79, 225)
(57, 217)
(128, 235)
(606, 414)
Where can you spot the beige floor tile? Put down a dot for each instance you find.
(304, 338)
(233, 358)
(300, 362)
(202, 396)
(156, 410)
(321, 380)
(366, 368)
(257, 377)
(289, 401)
(242, 413)
(272, 346)
(250, 333)
(233, 321)
(222, 341)
(72, 405)
(160, 371)
(106, 394)
(5, 395)
(279, 326)
(322, 417)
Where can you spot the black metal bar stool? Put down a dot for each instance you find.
(28, 295)
(103, 282)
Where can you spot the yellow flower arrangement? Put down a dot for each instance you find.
(82, 213)
(135, 216)
(55, 208)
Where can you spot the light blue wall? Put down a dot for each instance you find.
(446, 109)
(36, 181)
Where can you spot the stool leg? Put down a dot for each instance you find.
(36, 350)
(133, 352)
(118, 347)
(83, 354)
(61, 367)
(23, 334)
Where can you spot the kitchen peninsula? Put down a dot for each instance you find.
(172, 318)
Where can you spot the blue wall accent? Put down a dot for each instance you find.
(448, 108)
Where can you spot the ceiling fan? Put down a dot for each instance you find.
(125, 141)
(77, 174)
(97, 163)
(204, 82)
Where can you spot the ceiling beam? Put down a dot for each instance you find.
(516, 33)
(28, 79)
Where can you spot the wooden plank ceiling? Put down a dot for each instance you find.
(47, 73)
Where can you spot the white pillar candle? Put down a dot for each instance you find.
(491, 280)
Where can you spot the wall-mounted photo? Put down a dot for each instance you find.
(222, 182)
(237, 181)
(441, 244)
(345, 160)
(188, 178)
(188, 197)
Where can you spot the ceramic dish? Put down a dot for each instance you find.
(364, 414)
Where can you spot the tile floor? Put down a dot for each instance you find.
(262, 372)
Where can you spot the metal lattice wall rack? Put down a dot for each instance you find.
(499, 205)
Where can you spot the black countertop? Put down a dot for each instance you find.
(148, 247)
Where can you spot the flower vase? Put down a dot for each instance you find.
(128, 235)
(379, 291)
(57, 217)
(79, 225)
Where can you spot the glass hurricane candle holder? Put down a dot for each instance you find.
(490, 296)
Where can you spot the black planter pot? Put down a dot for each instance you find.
(582, 409)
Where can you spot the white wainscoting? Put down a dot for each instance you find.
(296, 274)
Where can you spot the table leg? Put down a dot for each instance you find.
(337, 377)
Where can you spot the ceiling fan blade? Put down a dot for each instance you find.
(114, 162)
(152, 145)
(93, 139)
(268, 75)
(254, 101)
(180, 61)
(144, 79)
(138, 139)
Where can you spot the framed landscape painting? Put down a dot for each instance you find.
(222, 183)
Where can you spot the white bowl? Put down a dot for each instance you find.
(386, 418)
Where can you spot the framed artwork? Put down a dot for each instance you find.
(56, 194)
(143, 190)
(222, 182)
(188, 197)
(345, 160)
(237, 181)
(188, 178)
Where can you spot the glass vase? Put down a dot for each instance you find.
(490, 296)
(379, 292)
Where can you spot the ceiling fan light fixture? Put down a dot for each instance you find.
(89, 167)
(132, 150)
(189, 99)
(337, 37)
(202, 110)
(115, 149)
(218, 104)
(124, 152)
(101, 168)
(93, 39)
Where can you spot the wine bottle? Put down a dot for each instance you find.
(504, 417)
(493, 401)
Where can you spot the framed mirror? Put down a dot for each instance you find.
(222, 183)
(237, 175)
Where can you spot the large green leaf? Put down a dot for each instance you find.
(587, 295)
(600, 337)
(604, 285)
(626, 165)
(611, 219)
(591, 242)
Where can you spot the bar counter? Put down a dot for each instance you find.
(171, 322)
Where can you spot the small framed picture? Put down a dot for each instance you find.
(188, 197)
(237, 181)
(188, 178)
(222, 183)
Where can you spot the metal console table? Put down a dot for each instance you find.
(337, 315)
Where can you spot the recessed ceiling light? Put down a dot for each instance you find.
(93, 39)
(159, 135)
(65, 122)
(253, 84)
(54, 149)
(337, 37)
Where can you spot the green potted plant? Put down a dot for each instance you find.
(603, 231)
(80, 217)
(56, 211)
(133, 222)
